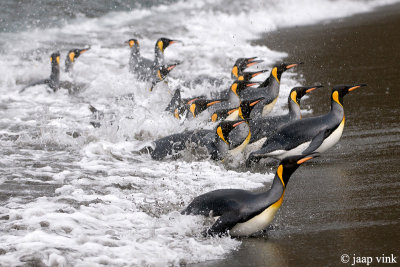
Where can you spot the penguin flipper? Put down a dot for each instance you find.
(315, 143)
(45, 81)
(175, 102)
(224, 223)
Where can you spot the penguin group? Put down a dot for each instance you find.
(243, 128)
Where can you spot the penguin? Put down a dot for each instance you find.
(72, 55)
(263, 127)
(143, 67)
(54, 81)
(160, 73)
(241, 64)
(217, 142)
(240, 212)
(309, 135)
(269, 90)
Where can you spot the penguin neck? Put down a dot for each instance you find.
(273, 88)
(135, 52)
(277, 191)
(159, 56)
(265, 83)
(294, 109)
(55, 73)
(337, 104)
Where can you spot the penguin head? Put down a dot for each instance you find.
(241, 64)
(281, 68)
(246, 106)
(163, 71)
(133, 43)
(163, 43)
(238, 86)
(55, 58)
(197, 106)
(248, 75)
(231, 134)
(222, 114)
(75, 53)
(298, 92)
(339, 91)
(289, 165)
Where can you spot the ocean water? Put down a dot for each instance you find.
(93, 200)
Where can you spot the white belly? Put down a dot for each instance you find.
(258, 223)
(332, 139)
(267, 108)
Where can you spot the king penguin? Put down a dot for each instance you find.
(309, 135)
(217, 142)
(54, 81)
(72, 55)
(240, 212)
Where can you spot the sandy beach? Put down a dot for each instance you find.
(347, 201)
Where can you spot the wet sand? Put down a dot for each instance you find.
(348, 200)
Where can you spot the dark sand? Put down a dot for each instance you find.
(348, 200)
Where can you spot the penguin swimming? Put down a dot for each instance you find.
(269, 90)
(72, 55)
(225, 137)
(264, 127)
(315, 134)
(144, 67)
(54, 81)
(241, 212)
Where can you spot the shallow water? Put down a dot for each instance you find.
(91, 199)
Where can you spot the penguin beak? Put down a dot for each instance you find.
(191, 101)
(171, 67)
(255, 102)
(313, 88)
(293, 65)
(304, 159)
(214, 102)
(258, 73)
(232, 110)
(253, 62)
(175, 41)
(251, 84)
(250, 59)
(237, 124)
(83, 50)
(356, 86)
